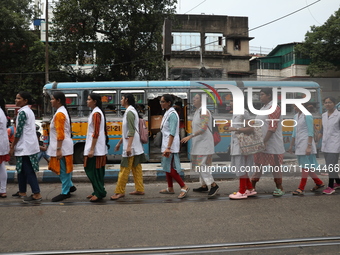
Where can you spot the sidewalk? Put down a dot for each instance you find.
(152, 172)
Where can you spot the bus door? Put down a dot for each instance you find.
(155, 119)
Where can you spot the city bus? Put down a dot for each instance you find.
(148, 94)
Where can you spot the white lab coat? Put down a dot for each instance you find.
(331, 132)
(301, 135)
(100, 148)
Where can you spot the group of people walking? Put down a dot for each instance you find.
(60, 148)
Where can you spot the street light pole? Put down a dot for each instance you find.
(46, 45)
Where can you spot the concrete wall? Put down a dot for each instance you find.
(230, 59)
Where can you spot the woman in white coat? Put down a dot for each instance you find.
(330, 134)
(60, 148)
(96, 146)
(133, 152)
(273, 141)
(202, 149)
(26, 148)
(4, 148)
(305, 149)
(239, 161)
(170, 147)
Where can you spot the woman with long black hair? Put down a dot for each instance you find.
(133, 152)
(96, 146)
(4, 149)
(170, 147)
(60, 148)
(26, 148)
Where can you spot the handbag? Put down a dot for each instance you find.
(216, 133)
(251, 143)
(157, 141)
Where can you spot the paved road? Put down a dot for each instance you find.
(164, 220)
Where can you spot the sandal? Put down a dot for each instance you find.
(137, 193)
(89, 196)
(3, 195)
(316, 187)
(94, 198)
(298, 192)
(185, 192)
(166, 191)
(117, 196)
(278, 193)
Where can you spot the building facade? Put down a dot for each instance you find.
(209, 46)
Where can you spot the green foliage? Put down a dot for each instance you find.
(21, 52)
(126, 36)
(322, 46)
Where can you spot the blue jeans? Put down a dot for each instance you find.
(27, 175)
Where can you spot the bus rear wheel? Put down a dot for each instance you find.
(78, 156)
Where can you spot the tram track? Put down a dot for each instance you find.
(221, 248)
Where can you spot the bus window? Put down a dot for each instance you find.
(109, 100)
(139, 96)
(226, 97)
(210, 101)
(255, 99)
(72, 103)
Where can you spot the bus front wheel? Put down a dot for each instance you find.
(78, 156)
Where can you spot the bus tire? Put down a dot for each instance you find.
(78, 156)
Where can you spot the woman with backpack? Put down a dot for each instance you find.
(96, 146)
(133, 152)
(202, 150)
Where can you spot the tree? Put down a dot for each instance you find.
(123, 37)
(322, 46)
(22, 54)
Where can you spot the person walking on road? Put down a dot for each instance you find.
(4, 149)
(202, 148)
(96, 146)
(273, 141)
(237, 159)
(330, 134)
(305, 149)
(133, 152)
(170, 147)
(60, 148)
(26, 148)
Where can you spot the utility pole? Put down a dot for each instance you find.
(46, 44)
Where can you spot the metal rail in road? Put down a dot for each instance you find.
(259, 246)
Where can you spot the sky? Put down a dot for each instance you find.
(259, 12)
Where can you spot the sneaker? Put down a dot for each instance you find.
(73, 189)
(31, 199)
(201, 189)
(328, 191)
(213, 191)
(336, 186)
(238, 195)
(61, 197)
(251, 193)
